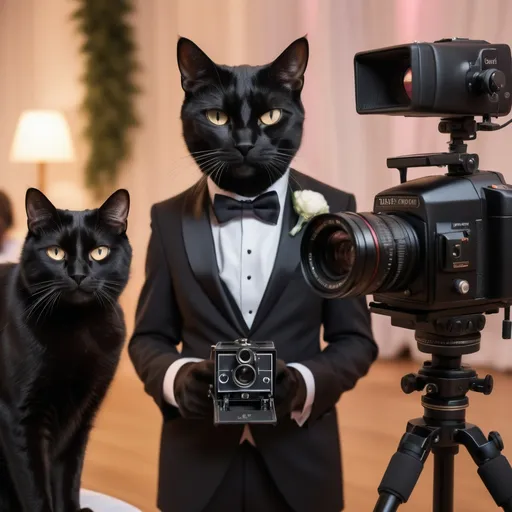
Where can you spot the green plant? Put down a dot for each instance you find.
(109, 49)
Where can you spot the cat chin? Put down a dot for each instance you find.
(246, 180)
(79, 297)
(244, 172)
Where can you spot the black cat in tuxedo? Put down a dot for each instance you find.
(243, 125)
(61, 334)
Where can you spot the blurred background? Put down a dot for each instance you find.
(42, 90)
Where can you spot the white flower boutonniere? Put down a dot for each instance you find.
(307, 204)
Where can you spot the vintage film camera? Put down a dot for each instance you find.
(245, 375)
(435, 253)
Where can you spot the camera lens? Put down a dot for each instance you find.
(245, 355)
(352, 254)
(244, 375)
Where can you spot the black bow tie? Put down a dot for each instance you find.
(265, 207)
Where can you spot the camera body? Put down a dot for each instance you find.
(461, 225)
(243, 389)
(433, 243)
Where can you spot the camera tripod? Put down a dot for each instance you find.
(443, 428)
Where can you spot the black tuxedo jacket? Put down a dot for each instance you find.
(184, 300)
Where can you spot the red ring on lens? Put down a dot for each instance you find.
(375, 241)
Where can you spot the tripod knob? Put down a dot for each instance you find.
(483, 385)
(411, 383)
(495, 438)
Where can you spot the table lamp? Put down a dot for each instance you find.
(41, 137)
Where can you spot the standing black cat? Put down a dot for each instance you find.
(222, 264)
(61, 334)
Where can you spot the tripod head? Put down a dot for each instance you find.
(447, 336)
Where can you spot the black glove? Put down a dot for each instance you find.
(291, 391)
(191, 389)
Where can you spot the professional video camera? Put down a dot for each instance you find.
(435, 252)
(244, 383)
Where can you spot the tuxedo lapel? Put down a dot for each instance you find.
(287, 257)
(200, 249)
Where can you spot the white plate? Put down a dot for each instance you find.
(103, 503)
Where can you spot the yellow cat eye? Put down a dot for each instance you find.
(217, 117)
(271, 117)
(56, 253)
(100, 253)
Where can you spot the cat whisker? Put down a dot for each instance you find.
(204, 158)
(272, 164)
(205, 165)
(112, 284)
(48, 302)
(197, 155)
(183, 168)
(268, 169)
(100, 300)
(218, 167)
(111, 301)
(219, 171)
(191, 156)
(202, 151)
(210, 169)
(55, 287)
(42, 285)
(41, 300)
(55, 301)
(114, 291)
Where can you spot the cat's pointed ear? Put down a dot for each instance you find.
(40, 210)
(194, 65)
(289, 68)
(114, 211)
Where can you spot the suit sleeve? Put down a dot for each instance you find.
(350, 349)
(153, 346)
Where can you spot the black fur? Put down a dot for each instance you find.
(61, 335)
(243, 155)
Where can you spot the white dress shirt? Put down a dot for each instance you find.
(246, 249)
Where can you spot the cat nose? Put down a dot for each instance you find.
(244, 147)
(78, 278)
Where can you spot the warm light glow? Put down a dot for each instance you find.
(408, 82)
(42, 136)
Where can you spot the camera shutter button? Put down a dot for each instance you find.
(461, 286)
(266, 380)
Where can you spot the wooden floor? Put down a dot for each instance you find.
(123, 450)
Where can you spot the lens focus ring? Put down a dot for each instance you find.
(354, 254)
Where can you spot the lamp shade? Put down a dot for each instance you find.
(42, 136)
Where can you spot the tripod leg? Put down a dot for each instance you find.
(404, 469)
(444, 459)
(493, 467)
